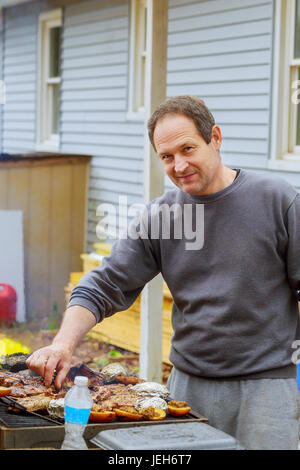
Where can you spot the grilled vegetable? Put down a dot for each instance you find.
(128, 413)
(153, 414)
(5, 391)
(103, 416)
(178, 408)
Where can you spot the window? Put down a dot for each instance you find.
(137, 59)
(50, 28)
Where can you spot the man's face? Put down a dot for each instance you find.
(191, 163)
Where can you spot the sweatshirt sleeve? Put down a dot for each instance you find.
(118, 281)
(293, 250)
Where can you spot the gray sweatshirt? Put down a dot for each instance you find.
(235, 312)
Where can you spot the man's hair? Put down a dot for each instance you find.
(190, 106)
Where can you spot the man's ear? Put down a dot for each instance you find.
(216, 137)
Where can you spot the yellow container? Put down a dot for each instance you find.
(89, 262)
(75, 277)
(102, 248)
(10, 346)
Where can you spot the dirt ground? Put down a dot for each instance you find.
(93, 353)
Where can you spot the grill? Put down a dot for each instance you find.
(23, 431)
(14, 420)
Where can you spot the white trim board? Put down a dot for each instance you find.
(12, 256)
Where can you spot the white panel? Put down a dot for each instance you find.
(96, 94)
(239, 102)
(230, 88)
(109, 151)
(92, 11)
(221, 47)
(96, 27)
(94, 127)
(232, 74)
(251, 28)
(241, 116)
(91, 72)
(83, 117)
(95, 49)
(181, 8)
(15, 125)
(94, 61)
(186, 22)
(216, 61)
(119, 186)
(116, 163)
(90, 38)
(107, 139)
(117, 174)
(95, 105)
(239, 145)
(244, 160)
(94, 83)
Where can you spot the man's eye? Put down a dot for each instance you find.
(166, 157)
(188, 149)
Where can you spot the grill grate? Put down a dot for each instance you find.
(13, 420)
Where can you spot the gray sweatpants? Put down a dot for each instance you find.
(262, 414)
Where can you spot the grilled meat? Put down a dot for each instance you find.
(114, 395)
(35, 403)
(94, 378)
(31, 392)
(8, 379)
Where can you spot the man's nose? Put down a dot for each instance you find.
(180, 165)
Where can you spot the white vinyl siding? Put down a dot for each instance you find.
(94, 103)
(221, 52)
(19, 74)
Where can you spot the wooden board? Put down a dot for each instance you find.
(51, 191)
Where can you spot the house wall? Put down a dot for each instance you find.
(20, 47)
(94, 102)
(218, 50)
(221, 52)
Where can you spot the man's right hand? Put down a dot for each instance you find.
(77, 321)
(46, 360)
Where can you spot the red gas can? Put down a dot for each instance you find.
(8, 304)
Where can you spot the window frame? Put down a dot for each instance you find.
(46, 142)
(137, 55)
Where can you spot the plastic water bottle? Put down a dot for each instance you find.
(78, 404)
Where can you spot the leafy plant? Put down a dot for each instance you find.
(54, 318)
(115, 353)
(102, 362)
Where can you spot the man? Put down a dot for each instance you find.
(235, 314)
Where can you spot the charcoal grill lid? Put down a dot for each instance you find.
(191, 436)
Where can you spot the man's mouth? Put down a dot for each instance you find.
(186, 177)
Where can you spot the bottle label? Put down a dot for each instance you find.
(77, 415)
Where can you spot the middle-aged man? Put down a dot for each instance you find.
(235, 313)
